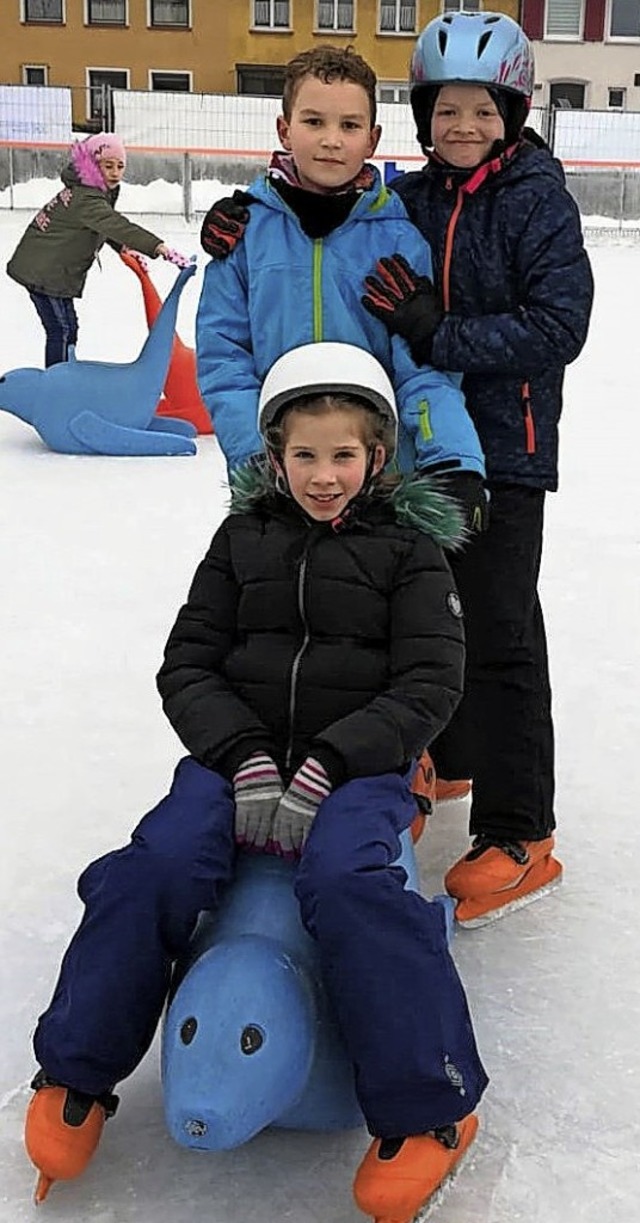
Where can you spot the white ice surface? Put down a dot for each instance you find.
(95, 557)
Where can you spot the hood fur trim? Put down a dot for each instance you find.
(419, 503)
(416, 502)
(86, 167)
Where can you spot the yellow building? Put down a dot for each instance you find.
(204, 46)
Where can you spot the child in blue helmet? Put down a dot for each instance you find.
(510, 309)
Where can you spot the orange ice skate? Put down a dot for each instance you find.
(400, 1177)
(62, 1130)
(498, 875)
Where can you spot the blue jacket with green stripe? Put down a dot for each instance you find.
(279, 289)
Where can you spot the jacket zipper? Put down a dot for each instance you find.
(448, 249)
(529, 422)
(295, 669)
(317, 290)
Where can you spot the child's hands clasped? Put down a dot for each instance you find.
(298, 806)
(257, 790)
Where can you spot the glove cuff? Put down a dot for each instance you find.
(256, 772)
(311, 782)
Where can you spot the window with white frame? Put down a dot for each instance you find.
(170, 82)
(102, 82)
(35, 74)
(169, 12)
(271, 14)
(563, 19)
(397, 17)
(334, 14)
(624, 19)
(461, 6)
(106, 12)
(393, 91)
(44, 10)
(617, 97)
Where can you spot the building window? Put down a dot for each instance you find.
(617, 97)
(260, 80)
(334, 15)
(624, 19)
(44, 10)
(393, 91)
(461, 6)
(170, 82)
(102, 82)
(271, 14)
(169, 12)
(396, 17)
(106, 12)
(35, 74)
(563, 19)
(567, 95)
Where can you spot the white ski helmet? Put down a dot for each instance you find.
(327, 368)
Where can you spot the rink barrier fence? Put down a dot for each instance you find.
(609, 189)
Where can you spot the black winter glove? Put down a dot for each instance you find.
(225, 223)
(407, 304)
(467, 488)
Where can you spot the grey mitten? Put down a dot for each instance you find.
(257, 790)
(298, 806)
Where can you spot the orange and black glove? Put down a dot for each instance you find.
(225, 223)
(408, 304)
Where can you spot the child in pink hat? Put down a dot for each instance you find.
(60, 244)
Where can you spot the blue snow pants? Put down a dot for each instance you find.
(60, 321)
(384, 953)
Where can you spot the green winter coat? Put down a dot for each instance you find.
(58, 248)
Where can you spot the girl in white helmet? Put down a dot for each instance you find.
(510, 309)
(319, 650)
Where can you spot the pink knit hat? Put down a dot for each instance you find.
(105, 144)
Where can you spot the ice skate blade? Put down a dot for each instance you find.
(436, 1199)
(43, 1185)
(521, 902)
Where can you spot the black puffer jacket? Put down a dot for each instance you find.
(298, 638)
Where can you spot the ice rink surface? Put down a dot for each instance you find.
(96, 555)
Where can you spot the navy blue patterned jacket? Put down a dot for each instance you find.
(516, 282)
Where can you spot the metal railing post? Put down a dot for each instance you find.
(11, 178)
(187, 193)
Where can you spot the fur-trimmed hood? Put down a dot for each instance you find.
(414, 502)
(86, 167)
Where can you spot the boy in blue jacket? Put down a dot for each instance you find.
(320, 218)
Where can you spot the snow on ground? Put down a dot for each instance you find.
(95, 556)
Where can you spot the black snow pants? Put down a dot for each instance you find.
(501, 735)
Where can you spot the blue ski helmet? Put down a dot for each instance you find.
(488, 49)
